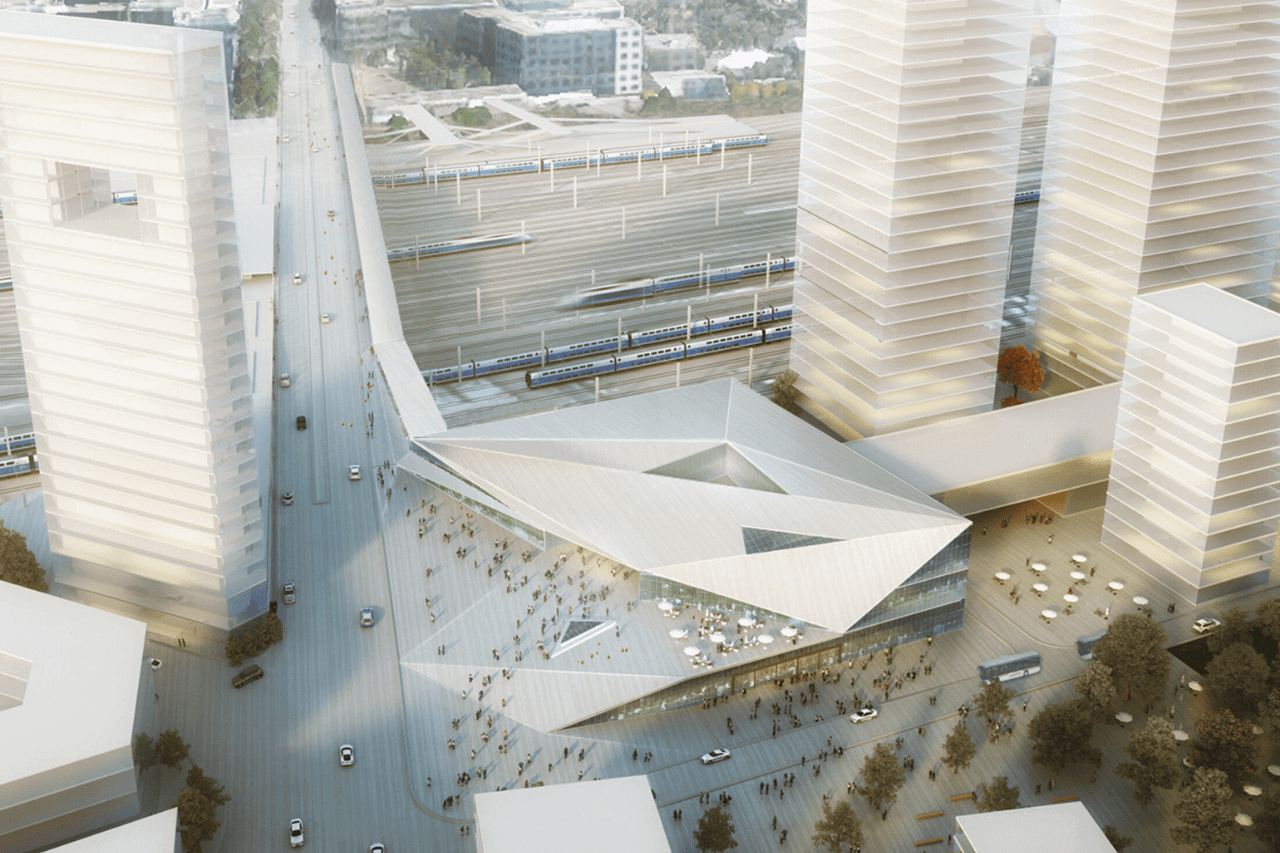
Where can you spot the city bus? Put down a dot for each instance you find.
(1009, 667)
(1084, 645)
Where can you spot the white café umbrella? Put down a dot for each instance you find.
(1124, 717)
(1116, 585)
(765, 638)
(1079, 558)
(692, 651)
(746, 622)
(1039, 567)
(1040, 587)
(1179, 735)
(678, 633)
(788, 631)
(665, 605)
(1078, 576)
(1049, 614)
(1071, 597)
(717, 637)
(1244, 820)
(1003, 576)
(1140, 601)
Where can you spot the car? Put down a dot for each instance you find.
(295, 832)
(366, 617)
(286, 498)
(285, 381)
(290, 590)
(284, 137)
(863, 714)
(331, 214)
(377, 848)
(715, 755)
(301, 422)
(1205, 625)
(247, 675)
(353, 472)
(297, 278)
(346, 755)
(324, 318)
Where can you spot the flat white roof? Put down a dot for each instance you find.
(75, 671)
(963, 451)
(1061, 828)
(1220, 313)
(154, 834)
(585, 817)
(113, 34)
(255, 174)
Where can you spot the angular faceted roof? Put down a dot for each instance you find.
(711, 486)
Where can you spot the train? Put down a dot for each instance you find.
(642, 358)
(643, 288)
(1026, 196)
(21, 465)
(17, 441)
(127, 197)
(447, 247)
(470, 368)
(601, 156)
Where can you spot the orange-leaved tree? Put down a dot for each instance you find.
(1020, 368)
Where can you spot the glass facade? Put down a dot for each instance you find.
(929, 603)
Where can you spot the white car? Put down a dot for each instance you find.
(285, 381)
(295, 832)
(1204, 626)
(324, 318)
(863, 714)
(353, 472)
(377, 848)
(366, 617)
(297, 278)
(287, 498)
(290, 591)
(346, 755)
(715, 755)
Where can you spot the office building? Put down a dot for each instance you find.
(909, 152)
(1194, 497)
(1160, 169)
(130, 315)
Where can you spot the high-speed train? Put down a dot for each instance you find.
(472, 368)
(600, 156)
(448, 247)
(643, 288)
(631, 359)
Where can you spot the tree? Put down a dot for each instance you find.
(1238, 677)
(1020, 368)
(715, 831)
(144, 751)
(1134, 649)
(1117, 840)
(785, 393)
(1097, 687)
(1266, 823)
(196, 820)
(882, 775)
(1225, 742)
(1269, 711)
(1236, 628)
(17, 564)
(1060, 736)
(839, 826)
(171, 749)
(998, 796)
(1267, 618)
(959, 750)
(207, 785)
(1155, 759)
(1207, 818)
(993, 699)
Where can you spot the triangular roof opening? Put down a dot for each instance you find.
(722, 465)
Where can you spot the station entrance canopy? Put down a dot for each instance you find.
(710, 486)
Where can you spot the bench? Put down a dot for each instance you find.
(967, 795)
(929, 815)
(928, 841)
(1068, 798)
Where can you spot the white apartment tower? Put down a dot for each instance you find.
(1160, 167)
(1194, 497)
(130, 315)
(908, 158)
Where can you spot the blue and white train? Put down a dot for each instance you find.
(1026, 196)
(17, 441)
(633, 359)
(471, 368)
(643, 288)
(448, 247)
(601, 156)
(21, 465)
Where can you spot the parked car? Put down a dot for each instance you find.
(246, 675)
(366, 617)
(286, 498)
(284, 380)
(353, 472)
(346, 755)
(295, 832)
(301, 422)
(331, 214)
(324, 318)
(1205, 625)
(863, 714)
(377, 848)
(290, 591)
(297, 277)
(715, 755)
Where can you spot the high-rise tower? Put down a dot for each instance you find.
(908, 157)
(1160, 167)
(130, 314)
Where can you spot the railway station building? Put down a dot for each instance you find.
(797, 552)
